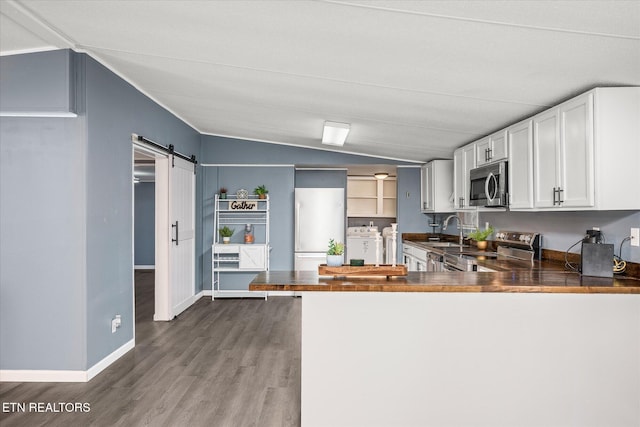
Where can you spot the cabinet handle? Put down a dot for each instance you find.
(560, 199)
(177, 231)
(490, 153)
(461, 202)
(486, 154)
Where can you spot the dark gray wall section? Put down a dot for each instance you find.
(145, 223)
(42, 248)
(37, 82)
(115, 110)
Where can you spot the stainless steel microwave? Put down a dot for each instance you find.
(489, 185)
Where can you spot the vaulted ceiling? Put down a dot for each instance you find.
(415, 79)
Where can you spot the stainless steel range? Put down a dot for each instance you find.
(513, 245)
(519, 245)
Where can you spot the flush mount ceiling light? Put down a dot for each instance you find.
(381, 175)
(335, 133)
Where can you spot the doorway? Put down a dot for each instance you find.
(173, 234)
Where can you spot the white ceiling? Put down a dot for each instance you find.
(415, 79)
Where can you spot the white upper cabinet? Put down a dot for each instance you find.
(520, 165)
(491, 148)
(464, 159)
(563, 155)
(437, 186)
(585, 152)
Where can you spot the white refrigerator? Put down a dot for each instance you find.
(319, 216)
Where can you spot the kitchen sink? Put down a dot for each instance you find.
(445, 245)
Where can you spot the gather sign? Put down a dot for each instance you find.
(243, 205)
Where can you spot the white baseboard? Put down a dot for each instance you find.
(206, 292)
(52, 376)
(144, 267)
(283, 293)
(104, 363)
(42, 376)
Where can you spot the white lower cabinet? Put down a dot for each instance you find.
(414, 258)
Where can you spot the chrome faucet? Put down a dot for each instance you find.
(446, 223)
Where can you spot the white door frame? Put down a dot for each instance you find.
(161, 282)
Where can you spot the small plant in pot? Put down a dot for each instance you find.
(223, 193)
(226, 233)
(480, 236)
(261, 192)
(335, 254)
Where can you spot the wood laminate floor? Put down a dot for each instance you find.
(233, 362)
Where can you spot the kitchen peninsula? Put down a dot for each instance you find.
(526, 348)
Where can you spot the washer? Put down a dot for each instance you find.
(361, 244)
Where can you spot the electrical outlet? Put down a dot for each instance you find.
(116, 322)
(635, 237)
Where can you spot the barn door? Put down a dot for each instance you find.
(176, 237)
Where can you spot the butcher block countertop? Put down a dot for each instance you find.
(517, 281)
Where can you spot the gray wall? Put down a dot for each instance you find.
(410, 219)
(145, 223)
(66, 217)
(115, 110)
(38, 82)
(279, 182)
(42, 248)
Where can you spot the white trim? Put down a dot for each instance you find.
(321, 169)
(240, 294)
(206, 292)
(409, 166)
(37, 114)
(45, 376)
(282, 293)
(62, 376)
(30, 50)
(144, 267)
(246, 165)
(110, 359)
(178, 309)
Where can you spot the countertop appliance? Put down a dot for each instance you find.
(488, 185)
(361, 244)
(319, 216)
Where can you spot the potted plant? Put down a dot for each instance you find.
(335, 254)
(226, 233)
(480, 236)
(261, 191)
(223, 192)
